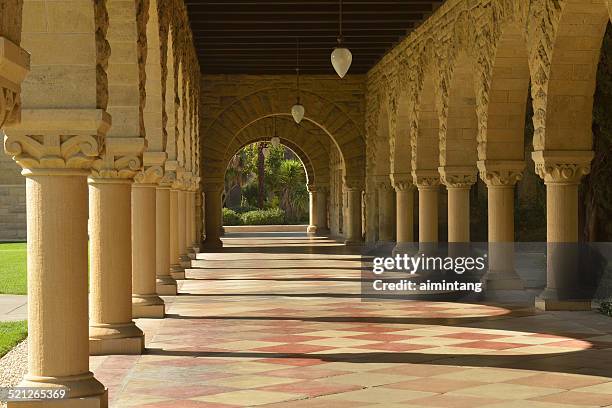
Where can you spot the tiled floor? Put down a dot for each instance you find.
(277, 322)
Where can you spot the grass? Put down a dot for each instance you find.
(13, 268)
(11, 333)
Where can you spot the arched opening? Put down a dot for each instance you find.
(266, 184)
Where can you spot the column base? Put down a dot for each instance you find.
(351, 243)
(191, 254)
(166, 286)
(549, 301)
(196, 247)
(98, 401)
(148, 306)
(407, 248)
(503, 280)
(185, 261)
(312, 229)
(82, 387)
(211, 244)
(177, 272)
(105, 339)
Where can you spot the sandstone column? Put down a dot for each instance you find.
(56, 148)
(111, 329)
(501, 177)
(212, 209)
(176, 270)
(428, 184)
(562, 172)
(353, 219)
(404, 194)
(165, 284)
(458, 181)
(193, 242)
(386, 210)
(312, 209)
(321, 222)
(182, 227)
(145, 302)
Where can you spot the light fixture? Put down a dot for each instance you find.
(297, 111)
(341, 57)
(275, 141)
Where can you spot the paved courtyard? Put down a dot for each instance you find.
(277, 321)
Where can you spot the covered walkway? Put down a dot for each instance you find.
(277, 320)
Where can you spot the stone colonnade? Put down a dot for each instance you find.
(105, 129)
(452, 97)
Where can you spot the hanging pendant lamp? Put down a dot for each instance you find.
(297, 111)
(341, 57)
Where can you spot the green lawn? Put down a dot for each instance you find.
(11, 333)
(13, 269)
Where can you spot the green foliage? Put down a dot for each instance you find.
(11, 334)
(284, 181)
(230, 217)
(273, 216)
(606, 308)
(13, 268)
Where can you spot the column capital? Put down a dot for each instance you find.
(501, 173)
(120, 158)
(458, 176)
(562, 166)
(353, 183)
(51, 139)
(426, 179)
(402, 181)
(384, 185)
(153, 168)
(14, 66)
(312, 188)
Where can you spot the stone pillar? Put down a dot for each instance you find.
(386, 210)
(562, 172)
(165, 283)
(458, 181)
(193, 243)
(312, 209)
(321, 221)
(176, 270)
(212, 209)
(111, 329)
(145, 302)
(182, 228)
(353, 211)
(501, 177)
(55, 148)
(428, 184)
(404, 195)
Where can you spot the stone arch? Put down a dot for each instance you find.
(302, 156)
(306, 140)
(502, 122)
(381, 146)
(401, 147)
(170, 130)
(152, 114)
(325, 114)
(564, 53)
(425, 133)
(459, 122)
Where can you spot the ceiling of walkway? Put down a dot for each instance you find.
(259, 37)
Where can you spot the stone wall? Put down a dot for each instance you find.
(12, 201)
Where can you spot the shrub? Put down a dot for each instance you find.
(273, 216)
(230, 217)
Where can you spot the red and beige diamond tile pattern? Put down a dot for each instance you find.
(282, 327)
